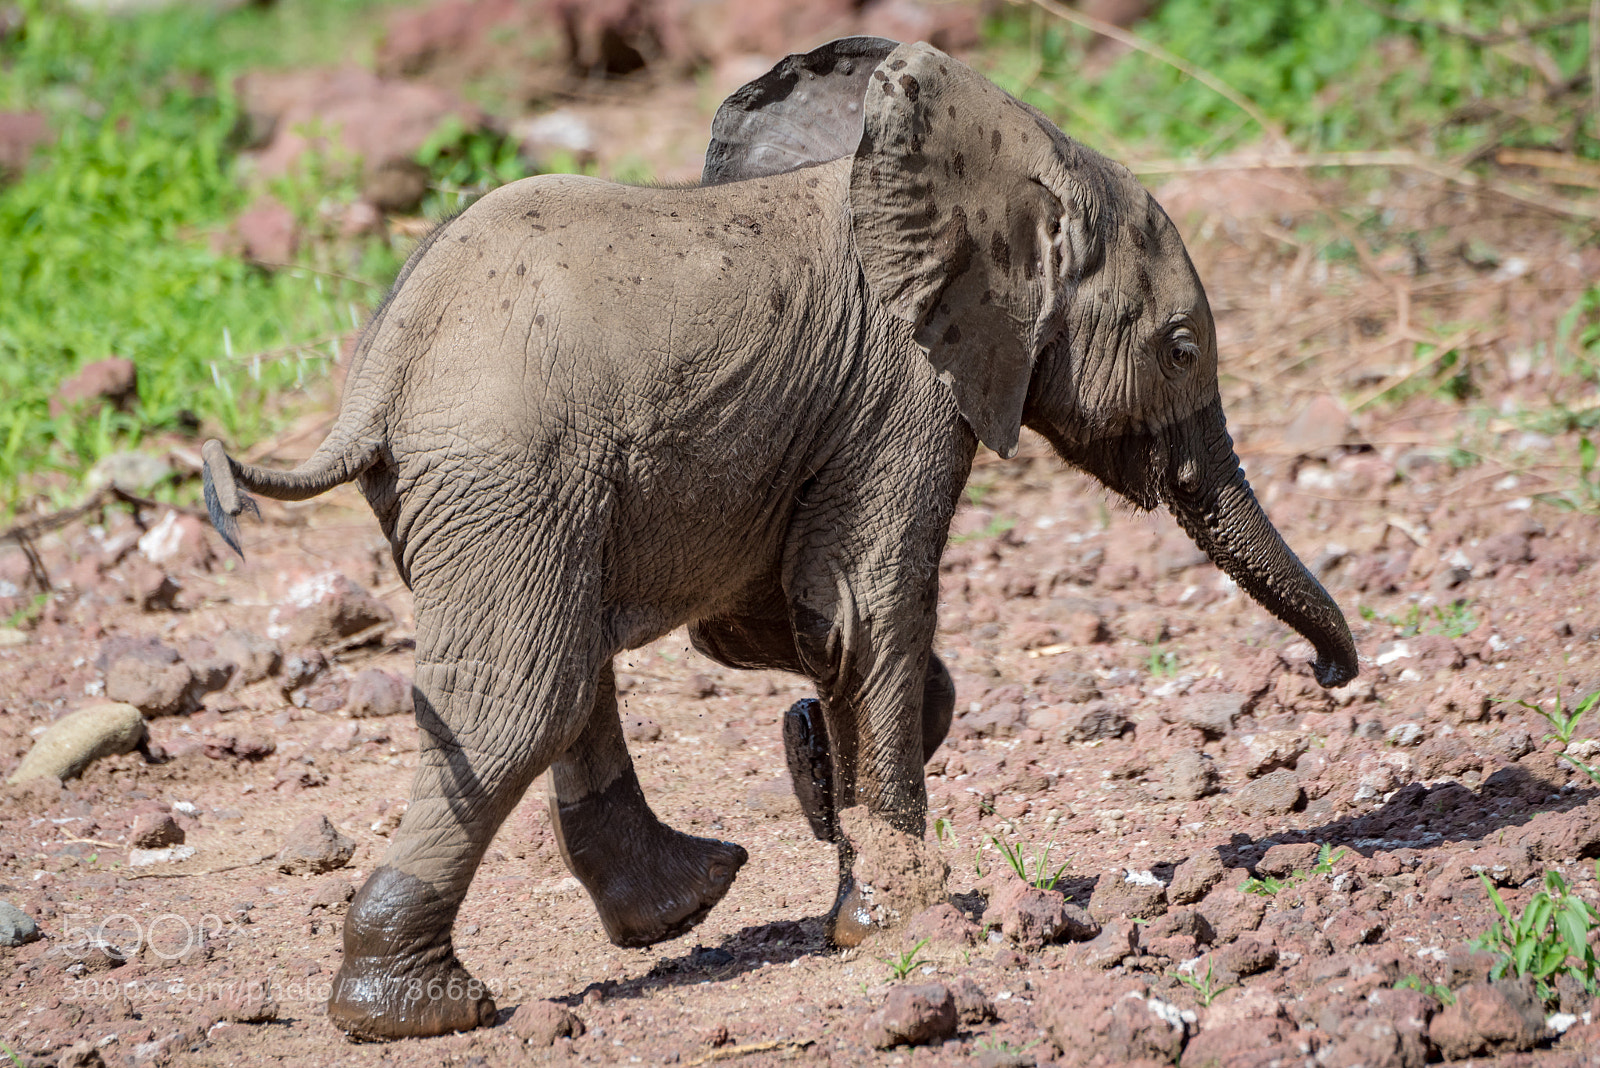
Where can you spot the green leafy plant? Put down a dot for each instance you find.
(1042, 878)
(1455, 620)
(1584, 495)
(1327, 859)
(1563, 721)
(1269, 886)
(29, 612)
(992, 529)
(904, 964)
(12, 1055)
(944, 829)
(1436, 990)
(1550, 937)
(1162, 663)
(1205, 987)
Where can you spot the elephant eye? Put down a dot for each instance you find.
(1182, 348)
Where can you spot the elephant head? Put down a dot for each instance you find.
(1041, 280)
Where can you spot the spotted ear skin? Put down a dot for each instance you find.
(805, 110)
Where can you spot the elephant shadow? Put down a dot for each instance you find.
(1420, 818)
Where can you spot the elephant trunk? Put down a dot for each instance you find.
(1207, 493)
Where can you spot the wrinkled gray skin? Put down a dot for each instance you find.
(591, 413)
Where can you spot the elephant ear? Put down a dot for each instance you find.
(805, 110)
(971, 224)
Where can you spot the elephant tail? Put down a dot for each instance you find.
(339, 459)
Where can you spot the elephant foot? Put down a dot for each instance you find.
(805, 749)
(649, 882)
(400, 977)
(886, 876)
(850, 922)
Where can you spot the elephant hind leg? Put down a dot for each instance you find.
(492, 715)
(649, 882)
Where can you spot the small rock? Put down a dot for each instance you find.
(302, 668)
(1250, 955)
(1033, 918)
(267, 233)
(1188, 775)
(155, 689)
(1094, 721)
(144, 858)
(1212, 714)
(327, 608)
(1274, 794)
(1267, 751)
(134, 472)
(1184, 923)
(80, 1055)
(17, 928)
(375, 692)
(1116, 940)
(112, 379)
(540, 1023)
(75, 741)
(249, 1001)
(1195, 877)
(315, 846)
(154, 830)
(1488, 1018)
(942, 925)
(1349, 928)
(699, 687)
(254, 657)
(972, 1004)
(1286, 858)
(1136, 895)
(913, 1015)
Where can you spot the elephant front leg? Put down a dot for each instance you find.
(649, 882)
(874, 709)
(810, 760)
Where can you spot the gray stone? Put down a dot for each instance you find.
(74, 742)
(17, 928)
(1212, 714)
(1188, 776)
(1274, 794)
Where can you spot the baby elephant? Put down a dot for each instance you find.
(591, 413)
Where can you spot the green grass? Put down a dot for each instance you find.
(106, 239)
(1563, 720)
(905, 963)
(1454, 620)
(1550, 937)
(1435, 990)
(1333, 74)
(1042, 877)
(1206, 988)
(1270, 886)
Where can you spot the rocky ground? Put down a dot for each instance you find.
(1253, 871)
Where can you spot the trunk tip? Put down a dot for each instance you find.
(1333, 672)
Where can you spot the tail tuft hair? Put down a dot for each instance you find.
(224, 500)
